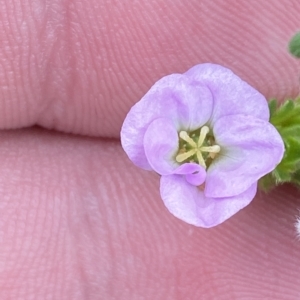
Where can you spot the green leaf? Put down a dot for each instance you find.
(282, 175)
(286, 115)
(296, 177)
(290, 131)
(284, 112)
(294, 45)
(272, 106)
(267, 182)
(286, 119)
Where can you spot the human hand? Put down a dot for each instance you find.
(78, 220)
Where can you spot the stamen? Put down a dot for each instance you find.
(181, 157)
(185, 137)
(203, 132)
(212, 155)
(197, 149)
(213, 149)
(200, 159)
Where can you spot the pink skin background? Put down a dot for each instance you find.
(77, 219)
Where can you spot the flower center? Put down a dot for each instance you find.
(196, 147)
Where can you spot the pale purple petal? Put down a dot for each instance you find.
(231, 94)
(189, 203)
(161, 146)
(194, 173)
(185, 102)
(250, 148)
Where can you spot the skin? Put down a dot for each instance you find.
(78, 220)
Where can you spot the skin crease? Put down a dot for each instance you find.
(78, 220)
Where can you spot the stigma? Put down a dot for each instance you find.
(196, 148)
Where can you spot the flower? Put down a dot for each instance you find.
(206, 132)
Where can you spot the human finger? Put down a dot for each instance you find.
(78, 66)
(79, 221)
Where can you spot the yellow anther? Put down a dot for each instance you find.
(212, 155)
(203, 132)
(211, 149)
(184, 135)
(183, 156)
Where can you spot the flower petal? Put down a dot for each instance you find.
(187, 103)
(231, 94)
(161, 145)
(189, 203)
(250, 148)
(194, 173)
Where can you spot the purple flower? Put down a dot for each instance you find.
(206, 132)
